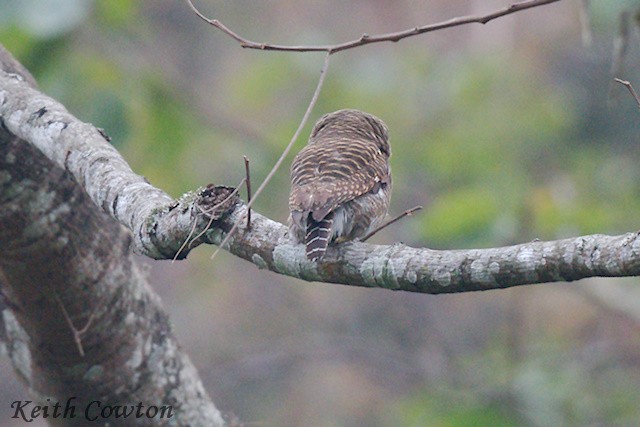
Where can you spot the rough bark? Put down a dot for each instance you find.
(400, 267)
(78, 318)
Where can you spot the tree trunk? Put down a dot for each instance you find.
(79, 321)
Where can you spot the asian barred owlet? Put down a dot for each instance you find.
(340, 181)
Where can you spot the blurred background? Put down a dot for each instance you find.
(505, 132)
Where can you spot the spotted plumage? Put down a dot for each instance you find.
(340, 181)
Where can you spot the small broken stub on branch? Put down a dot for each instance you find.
(217, 200)
(213, 202)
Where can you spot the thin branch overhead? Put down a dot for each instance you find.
(376, 38)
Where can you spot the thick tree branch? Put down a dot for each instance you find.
(66, 263)
(81, 149)
(78, 316)
(400, 267)
(160, 224)
(377, 38)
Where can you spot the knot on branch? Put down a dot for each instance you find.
(217, 200)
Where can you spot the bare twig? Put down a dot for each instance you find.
(377, 38)
(248, 182)
(630, 88)
(307, 113)
(620, 47)
(408, 212)
(77, 333)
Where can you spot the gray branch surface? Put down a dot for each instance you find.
(161, 225)
(400, 267)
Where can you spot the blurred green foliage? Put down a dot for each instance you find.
(441, 411)
(493, 144)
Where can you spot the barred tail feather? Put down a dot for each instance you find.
(317, 237)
